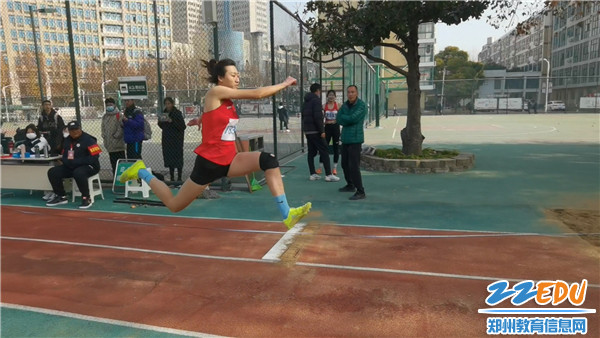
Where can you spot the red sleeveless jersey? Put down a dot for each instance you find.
(218, 134)
(331, 114)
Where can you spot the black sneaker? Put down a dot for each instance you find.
(86, 202)
(58, 200)
(347, 188)
(358, 196)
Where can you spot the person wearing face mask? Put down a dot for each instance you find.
(80, 160)
(33, 139)
(112, 133)
(50, 124)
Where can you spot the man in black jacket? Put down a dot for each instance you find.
(80, 160)
(312, 120)
(50, 124)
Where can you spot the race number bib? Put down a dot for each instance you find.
(229, 132)
(330, 115)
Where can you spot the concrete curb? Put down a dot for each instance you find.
(461, 162)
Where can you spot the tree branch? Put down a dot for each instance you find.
(394, 46)
(367, 55)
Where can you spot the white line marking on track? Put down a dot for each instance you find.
(390, 227)
(125, 248)
(119, 221)
(417, 273)
(253, 260)
(107, 321)
(462, 236)
(274, 254)
(394, 134)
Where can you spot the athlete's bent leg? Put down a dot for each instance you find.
(246, 163)
(187, 194)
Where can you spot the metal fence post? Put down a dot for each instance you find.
(272, 34)
(301, 87)
(73, 64)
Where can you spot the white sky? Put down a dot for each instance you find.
(469, 36)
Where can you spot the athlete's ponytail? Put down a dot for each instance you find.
(216, 69)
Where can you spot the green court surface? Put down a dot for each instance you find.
(508, 190)
(24, 323)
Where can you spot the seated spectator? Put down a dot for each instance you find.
(33, 140)
(80, 160)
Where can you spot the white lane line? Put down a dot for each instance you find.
(142, 214)
(394, 134)
(516, 234)
(417, 273)
(274, 254)
(120, 221)
(125, 248)
(389, 227)
(107, 321)
(253, 260)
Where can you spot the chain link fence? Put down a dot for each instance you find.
(115, 39)
(514, 94)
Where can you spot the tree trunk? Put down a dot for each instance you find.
(413, 140)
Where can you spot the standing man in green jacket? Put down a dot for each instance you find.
(351, 117)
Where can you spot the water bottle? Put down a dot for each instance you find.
(11, 147)
(37, 152)
(46, 151)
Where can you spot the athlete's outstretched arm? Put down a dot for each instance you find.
(222, 92)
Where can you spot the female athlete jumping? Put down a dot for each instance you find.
(217, 155)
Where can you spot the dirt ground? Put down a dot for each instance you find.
(584, 222)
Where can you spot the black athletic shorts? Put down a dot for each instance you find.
(206, 172)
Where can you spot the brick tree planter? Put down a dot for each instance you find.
(461, 162)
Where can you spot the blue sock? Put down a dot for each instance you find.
(283, 206)
(145, 175)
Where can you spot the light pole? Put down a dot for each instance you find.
(286, 50)
(162, 90)
(37, 55)
(73, 64)
(443, 85)
(158, 58)
(547, 82)
(103, 63)
(187, 80)
(104, 93)
(6, 98)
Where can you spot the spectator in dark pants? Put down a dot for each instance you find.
(284, 118)
(332, 128)
(133, 129)
(351, 117)
(80, 160)
(312, 120)
(112, 133)
(173, 126)
(50, 125)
